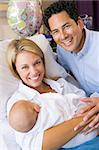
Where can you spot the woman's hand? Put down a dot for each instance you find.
(92, 110)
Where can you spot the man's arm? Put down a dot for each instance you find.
(93, 110)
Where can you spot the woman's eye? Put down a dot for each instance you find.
(24, 67)
(38, 62)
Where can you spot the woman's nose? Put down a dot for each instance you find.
(33, 70)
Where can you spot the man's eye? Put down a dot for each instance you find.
(66, 26)
(54, 32)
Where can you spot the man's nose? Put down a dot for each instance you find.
(63, 34)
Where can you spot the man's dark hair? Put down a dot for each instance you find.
(58, 6)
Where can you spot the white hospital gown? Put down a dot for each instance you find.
(55, 108)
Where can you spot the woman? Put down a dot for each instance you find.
(26, 62)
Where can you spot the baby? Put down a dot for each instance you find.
(26, 116)
(23, 115)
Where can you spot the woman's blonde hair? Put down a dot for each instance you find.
(16, 47)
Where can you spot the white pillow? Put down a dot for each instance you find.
(53, 69)
(8, 83)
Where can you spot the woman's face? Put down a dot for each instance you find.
(30, 68)
(66, 32)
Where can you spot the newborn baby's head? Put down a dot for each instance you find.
(23, 116)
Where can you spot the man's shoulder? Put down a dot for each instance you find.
(61, 51)
(92, 33)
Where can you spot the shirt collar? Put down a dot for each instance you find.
(58, 87)
(86, 45)
(26, 89)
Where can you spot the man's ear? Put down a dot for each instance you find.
(50, 32)
(80, 22)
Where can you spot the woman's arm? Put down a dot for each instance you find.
(59, 135)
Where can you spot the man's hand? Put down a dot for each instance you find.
(91, 110)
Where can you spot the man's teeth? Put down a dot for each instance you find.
(68, 42)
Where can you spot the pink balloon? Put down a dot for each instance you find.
(25, 16)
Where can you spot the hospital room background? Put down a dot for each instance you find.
(88, 9)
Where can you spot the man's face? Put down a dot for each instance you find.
(66, 32)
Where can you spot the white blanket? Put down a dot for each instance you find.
(7, 138)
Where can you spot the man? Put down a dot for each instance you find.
(77, 52)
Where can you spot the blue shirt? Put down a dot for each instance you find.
(84, 64)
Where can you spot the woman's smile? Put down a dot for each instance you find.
(30, 68)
